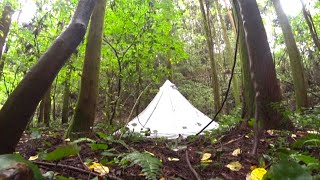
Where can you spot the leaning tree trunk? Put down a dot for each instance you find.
(215, 81)
(5, 22)
(21, 104)
(263, 74)
(85, 110)
(295, 58)
(308, 18)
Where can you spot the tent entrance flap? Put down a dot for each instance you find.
(169, 115)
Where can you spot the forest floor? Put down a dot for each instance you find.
(180, 159)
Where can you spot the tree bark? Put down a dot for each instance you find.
(263, 74)
(5, 23)
(247, 85)
(21, 104)
(47, 108)
(214, 79)
(295, 58)
(86, 106)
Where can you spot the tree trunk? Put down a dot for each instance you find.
(47, 108)
(247, 85)
(86, 106)
(5, 22)
(308, 18)
(295, 58)
(66, 94)
(21, 104)
(215, 81)
(229, 56)
(54, 114)
(40, 113)
(263, 74)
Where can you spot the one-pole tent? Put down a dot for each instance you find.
(170, 115)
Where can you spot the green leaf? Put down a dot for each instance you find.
(64, 178)
(311, 140)
(286, 169)
(151, 166)
(98, 146)
(102, 135)
(6, 160)
(61, 152)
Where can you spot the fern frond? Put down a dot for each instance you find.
(151, 166)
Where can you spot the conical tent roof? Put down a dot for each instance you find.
(170, 114)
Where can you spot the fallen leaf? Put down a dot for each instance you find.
(162, 178)
(205, 156)
(236, 152)
(99, 168)
(149, 153)
(258, 173)
(234, 166)
(206, 161)
(270, 132)
(32, 158)
(173, 159)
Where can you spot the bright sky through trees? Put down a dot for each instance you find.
(291, 8)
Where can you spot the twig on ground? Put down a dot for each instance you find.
(234, 140)
(75, 169)
(82, 163)
(196, 175)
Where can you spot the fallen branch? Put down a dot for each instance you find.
(196, 175)
(75, 169)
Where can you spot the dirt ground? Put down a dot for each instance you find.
(188, 153)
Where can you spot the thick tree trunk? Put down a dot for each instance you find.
(247, 85)
(215, 80)
(263, 74)
(5, 23)
(86, 106)
(229, 57)
(21, 104)
(308, 18)
(295, 58)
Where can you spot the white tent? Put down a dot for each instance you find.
(170, 114)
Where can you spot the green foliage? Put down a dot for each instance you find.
(61, 152)
(287, 169)
(6, 160)
(95, 147)
(308, 119)
(151, 166)
(307, 142)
